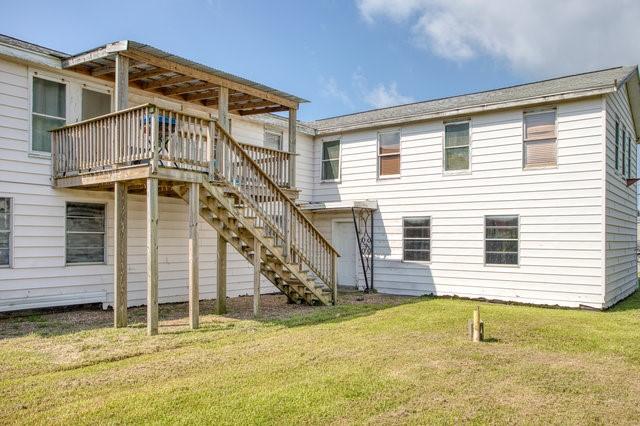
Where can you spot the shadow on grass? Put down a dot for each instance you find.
(631, 303)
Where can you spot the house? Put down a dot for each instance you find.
(131, 176)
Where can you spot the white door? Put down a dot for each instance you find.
(344, 240)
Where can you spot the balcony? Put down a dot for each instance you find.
(147, 140)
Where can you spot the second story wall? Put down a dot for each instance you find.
(559, 208)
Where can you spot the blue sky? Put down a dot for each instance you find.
(345, 55)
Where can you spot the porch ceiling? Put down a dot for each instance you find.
(162, 73)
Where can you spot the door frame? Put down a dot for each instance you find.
(334, 223)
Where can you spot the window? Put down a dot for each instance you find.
(416, 239)
(389, 154)
(456, 146)
(85, 233)
(331, 160)
(5, 231)
(48, 112)
(95, 104)
(617, 147)
(629, 155)
(273, 140)
(501, 240)
(540, 139)
(624, 141)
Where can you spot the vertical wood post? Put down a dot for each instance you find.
(152, 256)
(287, 217)
(211, 150)
(120, 255)
(223, 108)
(292, 146)
(194, 270)
(122, 82)
(221, 276)
(155, 139)
(257, 248)
(334, 273)
(476, 324)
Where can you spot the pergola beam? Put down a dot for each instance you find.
(262, 110)
(147, 74)
(168, 82)
(188, 89)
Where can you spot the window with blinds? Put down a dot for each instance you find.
(85, 233)
(540, 148)
(416, 239)
(273, 140)
(330, 160)
(48, 111)
(389, 154)
(5, 231)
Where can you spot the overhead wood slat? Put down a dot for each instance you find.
(189, 88)
(147, 74)
(156, 84)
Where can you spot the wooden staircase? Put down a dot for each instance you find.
(253, 214)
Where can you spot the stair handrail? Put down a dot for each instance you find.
(293, 248)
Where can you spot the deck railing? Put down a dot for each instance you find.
(274, 211)
(147, 134)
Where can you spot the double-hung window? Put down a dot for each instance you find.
(389, 153)
(273, 140)
(95, 104)
(540, 148)
(330, 160)
(48, 111)
(5, 231)
(456, 146)
(416, 239)
(501, 240)
(85, 233)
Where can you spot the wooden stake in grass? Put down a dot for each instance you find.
(476, 324)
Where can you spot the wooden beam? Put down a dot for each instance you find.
(120, 255)
(209, 77)
(156, 84)
(221, 276)
(293, 126)
(147, 74)
(98, 71)
(233, 97)
(100, 53)
(239, 106)
(223, 108)
(188, 89)
(122, 82)
(210, 94)
(257, 247)
(152, 256)
(194, 269)
(262, 110)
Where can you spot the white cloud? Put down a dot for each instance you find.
(331, 89)
(541, 38)
(380, 95)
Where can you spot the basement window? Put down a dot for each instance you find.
(456, 147)
(416, 239)
(540, 148)
(5, 231)
(501, 240)
(389, 154)
(48, 111)
(85, 233)
(330, 161)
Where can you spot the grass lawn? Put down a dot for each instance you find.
(377, 360)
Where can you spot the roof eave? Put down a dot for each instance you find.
(474, 109)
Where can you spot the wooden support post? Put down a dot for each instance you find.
(292, 146)
(223, 108)
(257, 248)
(122, 82)
(152, 256)
(221, 278)
(120, 255)
(194, 270)
(334, 266)
(211, 133)
(476, 324)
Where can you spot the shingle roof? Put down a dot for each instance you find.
(11, 41)
(574, 84)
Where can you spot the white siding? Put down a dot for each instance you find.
(38, 276)
(621, 207)
(560, 209)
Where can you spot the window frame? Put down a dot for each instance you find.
(536, 111)
(278, 133)
(56, 79)
(444, 148)
(322, 161)
(421, 239)
(399, 154)
(104, 242)
(484, 242)
(9, 265)
(97, 89)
